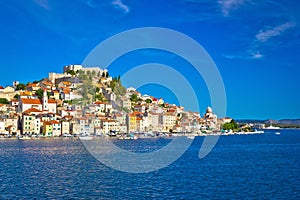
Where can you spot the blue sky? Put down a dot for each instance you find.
(255, 45)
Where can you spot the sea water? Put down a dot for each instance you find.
(263, 166)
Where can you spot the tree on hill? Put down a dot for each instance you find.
(4, 101)
(232, 125)
(16, 96)
(117, 87)
(148, 101)
(40, 93)
(21, 86)
(71, 72)
(99, 97)
(134, 98)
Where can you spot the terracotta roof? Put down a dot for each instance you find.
(33, 85)
(31, 101)
(68, 117)
(51, 101)
(137, 113)
(98, 103)
(31, 110)
(47, 83)
(47, 123)
(66, 83)
(101, 117)
(36, 101)
(55, 122)
(82, 118)
(1, 87)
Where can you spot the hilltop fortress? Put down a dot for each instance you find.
(55, 77)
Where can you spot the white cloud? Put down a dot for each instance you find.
(43, 3)
(249, 55)
(228, 5)
(119, 4)
(265, 35)
(256, 55)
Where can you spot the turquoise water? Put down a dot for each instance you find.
(263, 166)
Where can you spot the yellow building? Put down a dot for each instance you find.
(47, 129)
(131, 122)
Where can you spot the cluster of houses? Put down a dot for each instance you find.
(55, 115)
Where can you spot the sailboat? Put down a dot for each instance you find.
(272, 127)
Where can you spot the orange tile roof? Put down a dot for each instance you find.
(68, 117)
(66, 83)
(31, 101)
(137, 113)
(55, 122)
(82, 118)
(98, 103)
(33, 85)
(47, 123)
(31, 110)
(51, 101)
(36, 101)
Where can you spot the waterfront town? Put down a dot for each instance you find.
(88, 102)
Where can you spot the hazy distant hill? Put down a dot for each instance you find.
(271, 121)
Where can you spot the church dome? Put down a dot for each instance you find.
(208, 110)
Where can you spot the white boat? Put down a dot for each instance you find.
(67, 135)
(191, 137)
(24, 138)
(277, 133)
(272, 127)
(258, 132)
(85, 137)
